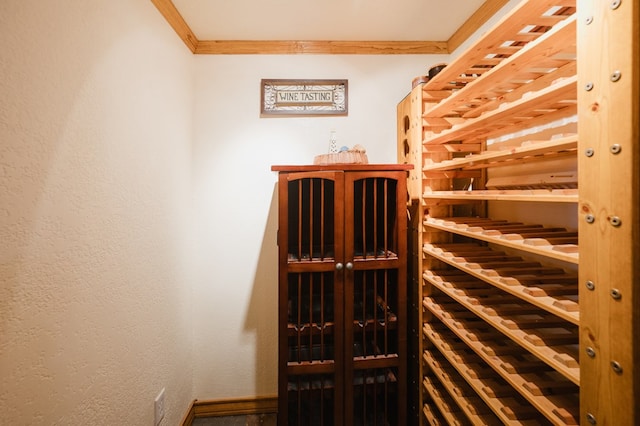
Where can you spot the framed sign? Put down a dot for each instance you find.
(303, 97)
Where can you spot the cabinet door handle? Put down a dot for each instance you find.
(339, 266)
(349, 266)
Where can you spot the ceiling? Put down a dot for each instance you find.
(307, 26)
(326, 19)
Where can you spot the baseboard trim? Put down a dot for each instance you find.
(187, 420)
(230, 407)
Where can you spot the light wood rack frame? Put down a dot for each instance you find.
(521, 322)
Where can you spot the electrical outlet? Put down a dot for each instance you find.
(159, 407)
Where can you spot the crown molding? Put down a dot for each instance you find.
(328, 47)
(168, 10)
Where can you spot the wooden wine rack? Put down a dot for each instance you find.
(526, 271)
(500, 311)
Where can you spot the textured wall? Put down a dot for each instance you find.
(95, 272)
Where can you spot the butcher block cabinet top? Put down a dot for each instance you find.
(344, 167)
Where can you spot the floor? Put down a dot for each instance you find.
(248, 420)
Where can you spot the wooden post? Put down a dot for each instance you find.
(609, 200)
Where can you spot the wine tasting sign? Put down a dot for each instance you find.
(303, 97)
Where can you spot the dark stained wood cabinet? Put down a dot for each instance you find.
(342, 295)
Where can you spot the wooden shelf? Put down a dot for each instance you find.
(316, 329)
(456, 366)
(546, 390)
(460, 405)
(551, 243)
(526, 152)
(554, 54)
(559, 356)
(525, 325)
(555, 101)
(434, 417)
(531, 195)
(310, 367)
(548, 288)
(525, 23)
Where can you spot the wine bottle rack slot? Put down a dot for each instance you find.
(498, 137)
(550, 242)
(546, 287)
(542, 385)
(482, 399)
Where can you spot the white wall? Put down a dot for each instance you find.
(234, 149)
(95, 215)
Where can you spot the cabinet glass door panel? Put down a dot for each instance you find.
(375, 397)
(311, 294)
(311, 317)
(374, 343)
(311, 217)
(311, 400)
(375, 313)
(375, 298)
(374, 218)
